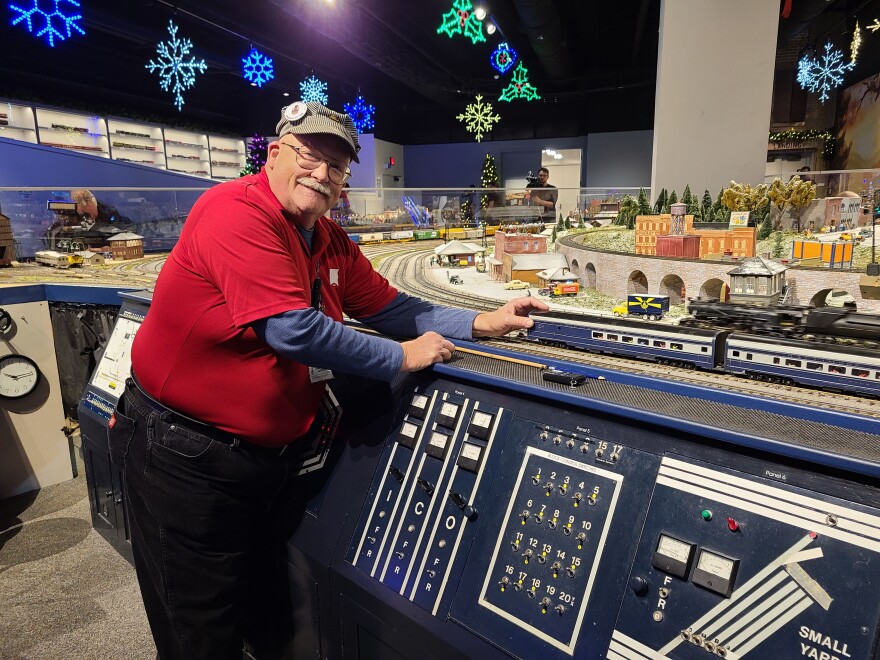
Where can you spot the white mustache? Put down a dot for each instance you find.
(314, 184)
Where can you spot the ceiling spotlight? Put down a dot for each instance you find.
(253, 84)
(286, 93)
(557, 156)
(550, 152)
(490, 29)
(480, 13)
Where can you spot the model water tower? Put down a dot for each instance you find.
(677, 243)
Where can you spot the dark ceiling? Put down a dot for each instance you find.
(593, 63)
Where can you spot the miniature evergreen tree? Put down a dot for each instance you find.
(644, 205)
(488, 178)
(581, 224)
(778, 246)
(560, 225)
(629, 209)
(568, 223)
(553, 236)
(661, 201)
(707, 207)
(686, 196)
(766, 227)
(673, 199)
(256, 156)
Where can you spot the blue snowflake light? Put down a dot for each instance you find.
(313, 90)
(53, 25)
(172, 67)
(503, 58)
(361, 114)
(257, 68)
(825, 73)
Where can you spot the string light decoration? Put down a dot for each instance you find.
(873, 27)
(361, 114)
(257, 68)
(855, 44)
(479, 117)
(461, 20)
(823, 74)
(488, 178)
(312, 89)
(807, 136)
(172, 67)
(256, 157)
(520, 87)
(503, 58)
(53, 25)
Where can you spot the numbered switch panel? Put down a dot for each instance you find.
(470, 457)
(480, 425)
(448, 415)
(438, 444)
(418, 406)
(408, 434)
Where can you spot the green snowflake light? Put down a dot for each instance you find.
(479, 117)
(520, 87)
(461, 20)
(173, 68)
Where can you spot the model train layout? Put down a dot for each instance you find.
(828, 348)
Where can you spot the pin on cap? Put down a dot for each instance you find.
(303, 118)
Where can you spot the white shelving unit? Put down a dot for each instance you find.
(227, 157)
(136, 143)
(187, 153)
(76, 132)
(17, 122)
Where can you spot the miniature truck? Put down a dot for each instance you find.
(651, 307)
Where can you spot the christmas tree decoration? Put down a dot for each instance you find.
(361, 114)
(823, 74)
(855, 44)
(520, 87)
(503, 58)
(312, 89)
(479, 117)
(172, 67)
(807, 136)
(488, 178)
(257, 68)
(256, 157)
(461, 20)
(55, 24)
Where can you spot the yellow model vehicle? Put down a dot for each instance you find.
(619, 310)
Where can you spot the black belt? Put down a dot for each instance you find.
(195, 425)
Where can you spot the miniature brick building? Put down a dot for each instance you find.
(7, 244)
(739, 240)
(127, 246)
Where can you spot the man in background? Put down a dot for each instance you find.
(95, 214)
(544, 195)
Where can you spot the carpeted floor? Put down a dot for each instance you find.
(64, 591)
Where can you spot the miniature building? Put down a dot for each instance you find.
(7, 244)
(91, 258)
(757, 281)
(127, 245)
(740, 241)
(836, 254)
(519, 243)
(526, 267)
(458, 253)
(547, 277)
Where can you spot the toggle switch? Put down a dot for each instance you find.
(425, 485)
(469, 512)
(397, 474)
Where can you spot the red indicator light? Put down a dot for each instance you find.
(391, 160)
(814, 535)
(732, 525)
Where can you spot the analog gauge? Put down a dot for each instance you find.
(409, 430)
(674, 549)
(470, 452)
(19, 376)
(449, 409)
(716, 565)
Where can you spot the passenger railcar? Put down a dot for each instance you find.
(845, 368)
(58, 259)
(667, 344)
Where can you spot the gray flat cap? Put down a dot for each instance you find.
(301, 118)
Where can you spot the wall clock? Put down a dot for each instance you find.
(19, 376)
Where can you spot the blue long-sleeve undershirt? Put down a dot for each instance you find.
(311, 338)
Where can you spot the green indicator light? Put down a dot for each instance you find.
(706, 514)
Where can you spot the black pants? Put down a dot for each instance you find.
(209, 523)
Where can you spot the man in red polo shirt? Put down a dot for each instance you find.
(230, 367)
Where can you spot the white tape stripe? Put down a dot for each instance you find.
(742, 591)
(778, 577)
(637, 646)
(783, 611)
(611, 655)
(828, 507)
(617, 650)
(762, 607)
(764, 634)
(806, 555)
(780, 503)
(779, 516)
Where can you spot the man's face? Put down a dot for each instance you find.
(87, 205)
(307, 194)
(543, 175)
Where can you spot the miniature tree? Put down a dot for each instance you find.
(686, 196)
(629, 209)
(560, 225)
(256, 156)
(707, 215)
(661, 201)
(672, 199)
(778, 245)
(742, 197)
(581, 224)
(766, 227)
(488, 178)
(553, 236)
(801, 193)
(567, 223)
(644, 205)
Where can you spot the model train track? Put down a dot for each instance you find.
(406, 271)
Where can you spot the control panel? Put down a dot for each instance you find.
(551, 533)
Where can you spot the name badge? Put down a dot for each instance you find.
(317, 375)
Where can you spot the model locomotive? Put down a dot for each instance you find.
(778, 351)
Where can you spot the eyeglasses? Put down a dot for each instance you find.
(310, 160)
